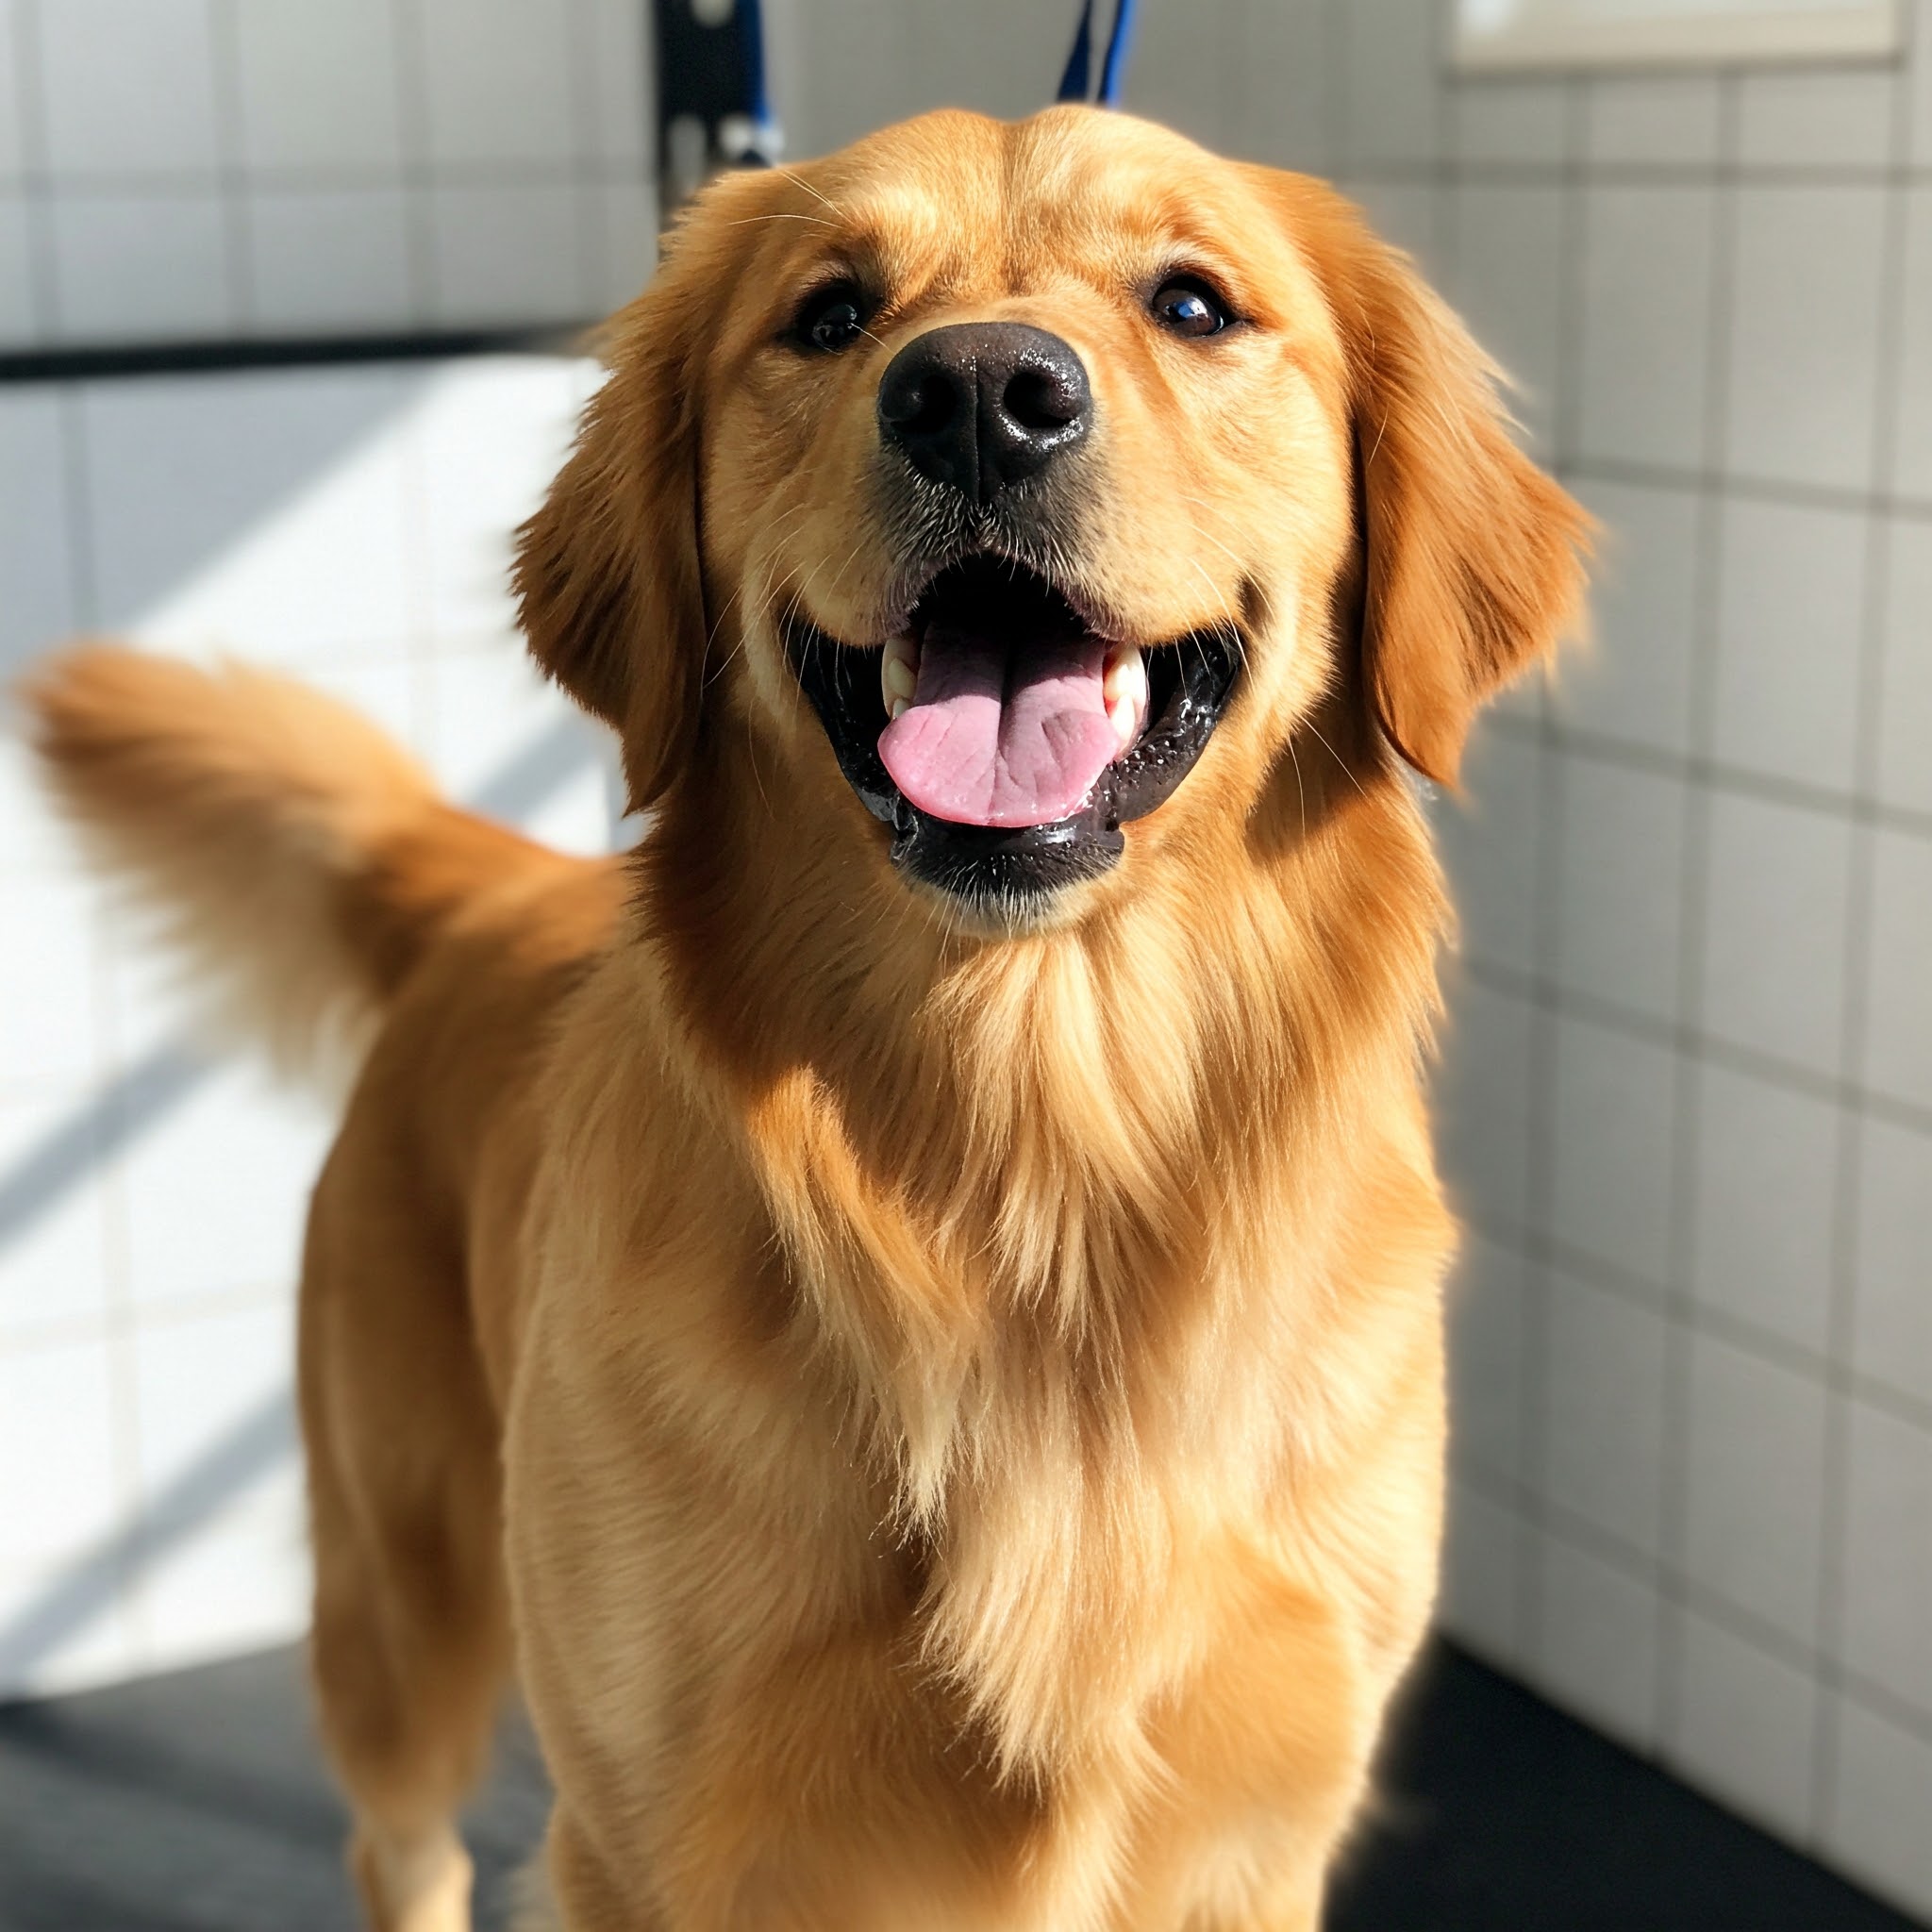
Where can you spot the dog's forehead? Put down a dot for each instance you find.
(962, 193)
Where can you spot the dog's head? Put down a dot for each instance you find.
(1013, 497)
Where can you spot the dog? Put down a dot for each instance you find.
(906, 1310)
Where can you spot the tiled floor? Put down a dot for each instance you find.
(195, 1803)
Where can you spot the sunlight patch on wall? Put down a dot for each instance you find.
(1526, 34)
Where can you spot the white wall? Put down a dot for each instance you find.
(1688, 1103)
(206, 168)
(1688, 1108)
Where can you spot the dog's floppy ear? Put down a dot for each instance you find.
(1473, 557)
(608, 573)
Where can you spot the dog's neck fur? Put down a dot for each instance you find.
(1029, 1263)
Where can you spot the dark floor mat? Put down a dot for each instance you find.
(196, 1803)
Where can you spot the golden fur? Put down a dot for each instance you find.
(952, 1411)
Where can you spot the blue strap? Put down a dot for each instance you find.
(1113, 71)
(1120, 44)
(1073, 81)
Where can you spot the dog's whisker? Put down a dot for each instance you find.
(798, 180)
(782, 215)
(1347, 770)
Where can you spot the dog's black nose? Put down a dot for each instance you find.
(982, 404)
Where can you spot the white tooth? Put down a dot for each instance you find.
(899, 674)
(1124, 686)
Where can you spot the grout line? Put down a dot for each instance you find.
(412, 129)
(1694, 895)
(1715, 774)
(70, 1331)
(1842, 1336)
(77, 508)
(1566, 403)
(1876, 500)
(318, 178)
(588, 199)
(224, 50)
(1712, 1049)
(1659, 174)
(1688, 1594)
(1721, 1324)
(43, 252)
(1539, 1180)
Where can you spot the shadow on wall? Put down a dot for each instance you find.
(122, 509)
(349, 527)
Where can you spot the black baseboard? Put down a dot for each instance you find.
(84, 363)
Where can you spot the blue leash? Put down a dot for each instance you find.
(1113, 70)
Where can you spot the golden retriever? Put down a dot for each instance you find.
(906, 1308)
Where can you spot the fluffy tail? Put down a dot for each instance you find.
(302, 861)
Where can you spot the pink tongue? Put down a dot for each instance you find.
(996, 736)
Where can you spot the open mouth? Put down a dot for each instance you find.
(1004, 738)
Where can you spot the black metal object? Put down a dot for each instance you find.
(87, 362)
(713, 111)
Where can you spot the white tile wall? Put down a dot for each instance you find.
(1789, 119)
(1600, 1651)
(187, 169)
(1905, 698)
(1912, 458)
(1394, 110)
(1487, 1359)
(497, 80)
(127, 88)
(1778, 897)
(1612, 1173)
(1891, 1314)
(146, 265)
(328, 260)
(1688, 1091)
(1747, 1727)
(1493, 843)
(1653, 119)
(56, 1248)
(1508, 280)
(1482, 1582)
(1766, 1162)
(1619, 888)
(1791, 607)
(1754, 1504)
(1483, 1098)
(1511, 120)
(1645, 323)
(1877, 1824)
(320, 86)
(16, 287)
(1804, 333)
(1898, 1032)
(1634, 679)
(12, 148)
(1887, 1608)
(1602, 1402)
(150, 1200)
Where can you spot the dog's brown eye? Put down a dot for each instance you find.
(1189, 309)
(832, 320)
